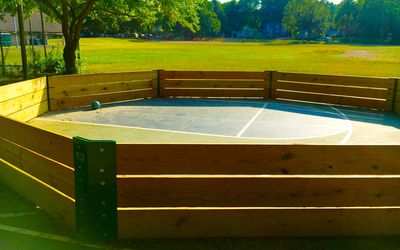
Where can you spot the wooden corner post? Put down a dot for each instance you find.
(95, 188)
(395, 94)
(159, 82)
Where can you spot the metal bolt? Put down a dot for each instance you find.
(101, 170)
(103, 183)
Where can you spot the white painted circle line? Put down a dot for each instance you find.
(251, 121)
(349, 125)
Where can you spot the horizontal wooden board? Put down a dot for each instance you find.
(257, 191)
(70, 80)
(49, 200)
(335, 79)
(337, 90)
(20, 103)
(213, 84)
(31, 112)
(53, 146)
(75, 102)
(212, 75)
(46, 170)
(101, 88)
(338, 100)
(257, 159)
(14, 90)
(211, 93)
(154, 223)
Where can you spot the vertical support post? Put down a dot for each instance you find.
(159, 82)
(395, 92)
(271, 80)
(95, 188)
(266, 84)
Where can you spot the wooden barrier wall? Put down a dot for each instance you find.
(80, 90)
(364, 92)
(36, 164)
(214, 84)
(257, 190)
(24, 100)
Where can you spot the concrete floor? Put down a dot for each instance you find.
(225, 121)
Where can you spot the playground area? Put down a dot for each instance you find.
(173, 154)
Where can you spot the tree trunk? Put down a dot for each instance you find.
(70, 57)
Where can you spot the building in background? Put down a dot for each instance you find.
(33, 29)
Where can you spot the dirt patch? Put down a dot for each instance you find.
(358, 54)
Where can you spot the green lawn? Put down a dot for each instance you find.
(110, 54)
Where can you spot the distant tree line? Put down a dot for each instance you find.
(375, 21)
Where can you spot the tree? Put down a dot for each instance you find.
(72, 14)
(272, 11)
(347, 16)
(210, 25)
(306, 18)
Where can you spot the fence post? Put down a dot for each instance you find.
(394, 99)
(159, 82)
(95, 188)
(271, 80)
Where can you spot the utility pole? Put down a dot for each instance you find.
(22, 41)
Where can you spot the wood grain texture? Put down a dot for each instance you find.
(64, 81)
(257, 159)
(15, 90)
(336, 90)
(46, 170)
(338, 100)
(211, 75)
(337, 80)
(100, 88)
(22, 102)
(52, 202)
(246, 84)
(80, 101)
(153, 223)
(31, 112)
(258, 191)
(212, 93)
(54, 146)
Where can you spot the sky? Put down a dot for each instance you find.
(334, 1)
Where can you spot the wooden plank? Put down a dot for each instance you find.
(70, 80)
(339, 100)
(31, 112)
(213, 84)
(337, 90)
(261, 222)
(335, 79)
(14, 90)
(53, 146)
(257, 191)
(155, 159)
(211, 75)
(48, 199)
(52, 173)
(212, 93)
(101, 88)
(75, 102)
(20, 103)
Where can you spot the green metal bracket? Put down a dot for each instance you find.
(95, 188)
(395, 89)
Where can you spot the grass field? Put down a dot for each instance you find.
(110, 54)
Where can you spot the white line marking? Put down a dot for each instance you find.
(46, 236)
(192, 133)
(13, 215)
(251, 121)
(349, 124)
